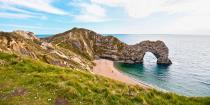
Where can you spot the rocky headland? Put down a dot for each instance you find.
(93, 45)
(78, 47)
(51, 70)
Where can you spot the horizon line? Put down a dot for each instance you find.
(136, 34)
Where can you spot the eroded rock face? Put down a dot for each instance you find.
(92, 45)
(27, 44)
(87, 43)
(77, 48)
(135, 53)
(26, 34)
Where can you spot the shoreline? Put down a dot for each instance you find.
(106, 68)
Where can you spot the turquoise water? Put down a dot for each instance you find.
(188, 75)
(43, 35)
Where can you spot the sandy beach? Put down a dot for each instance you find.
(106, 68)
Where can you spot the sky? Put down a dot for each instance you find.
(107, 16)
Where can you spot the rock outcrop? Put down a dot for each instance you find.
(135, 53)
(77, 48)
(92, 45)
(120, 52)
(26, 34)
(27, 44)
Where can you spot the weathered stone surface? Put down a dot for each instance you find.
(77, 48)
(135, 53)
(91, 45)
(26, 34)
(26, 44)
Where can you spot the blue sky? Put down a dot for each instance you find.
(107, 16)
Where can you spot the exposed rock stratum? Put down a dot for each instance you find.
(94, 45)
(78, 47)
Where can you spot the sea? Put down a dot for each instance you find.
(189, 74)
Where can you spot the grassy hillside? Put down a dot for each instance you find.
(25, 81)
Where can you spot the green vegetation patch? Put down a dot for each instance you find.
(25, 81)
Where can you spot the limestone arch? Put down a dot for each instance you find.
(149, 58)
(135, 53)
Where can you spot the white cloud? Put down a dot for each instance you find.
(8, 15)
(134, 8)
(189, 16)
(93, 9)
(188, 7)
(15, 16)
(38, 5)
(29, 27)
(18, 13)
(11, 8)
(193, 24)
(144, 8)
(186, 16)
(109, 2)
(90, 12)
(20, 26)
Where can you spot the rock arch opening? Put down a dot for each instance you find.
(135, 53)
(112, 48)
(149, 58)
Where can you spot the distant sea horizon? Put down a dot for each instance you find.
(107, 34)
(188, 75)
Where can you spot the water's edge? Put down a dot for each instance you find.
(140, 81)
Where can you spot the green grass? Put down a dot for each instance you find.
(43, 84)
